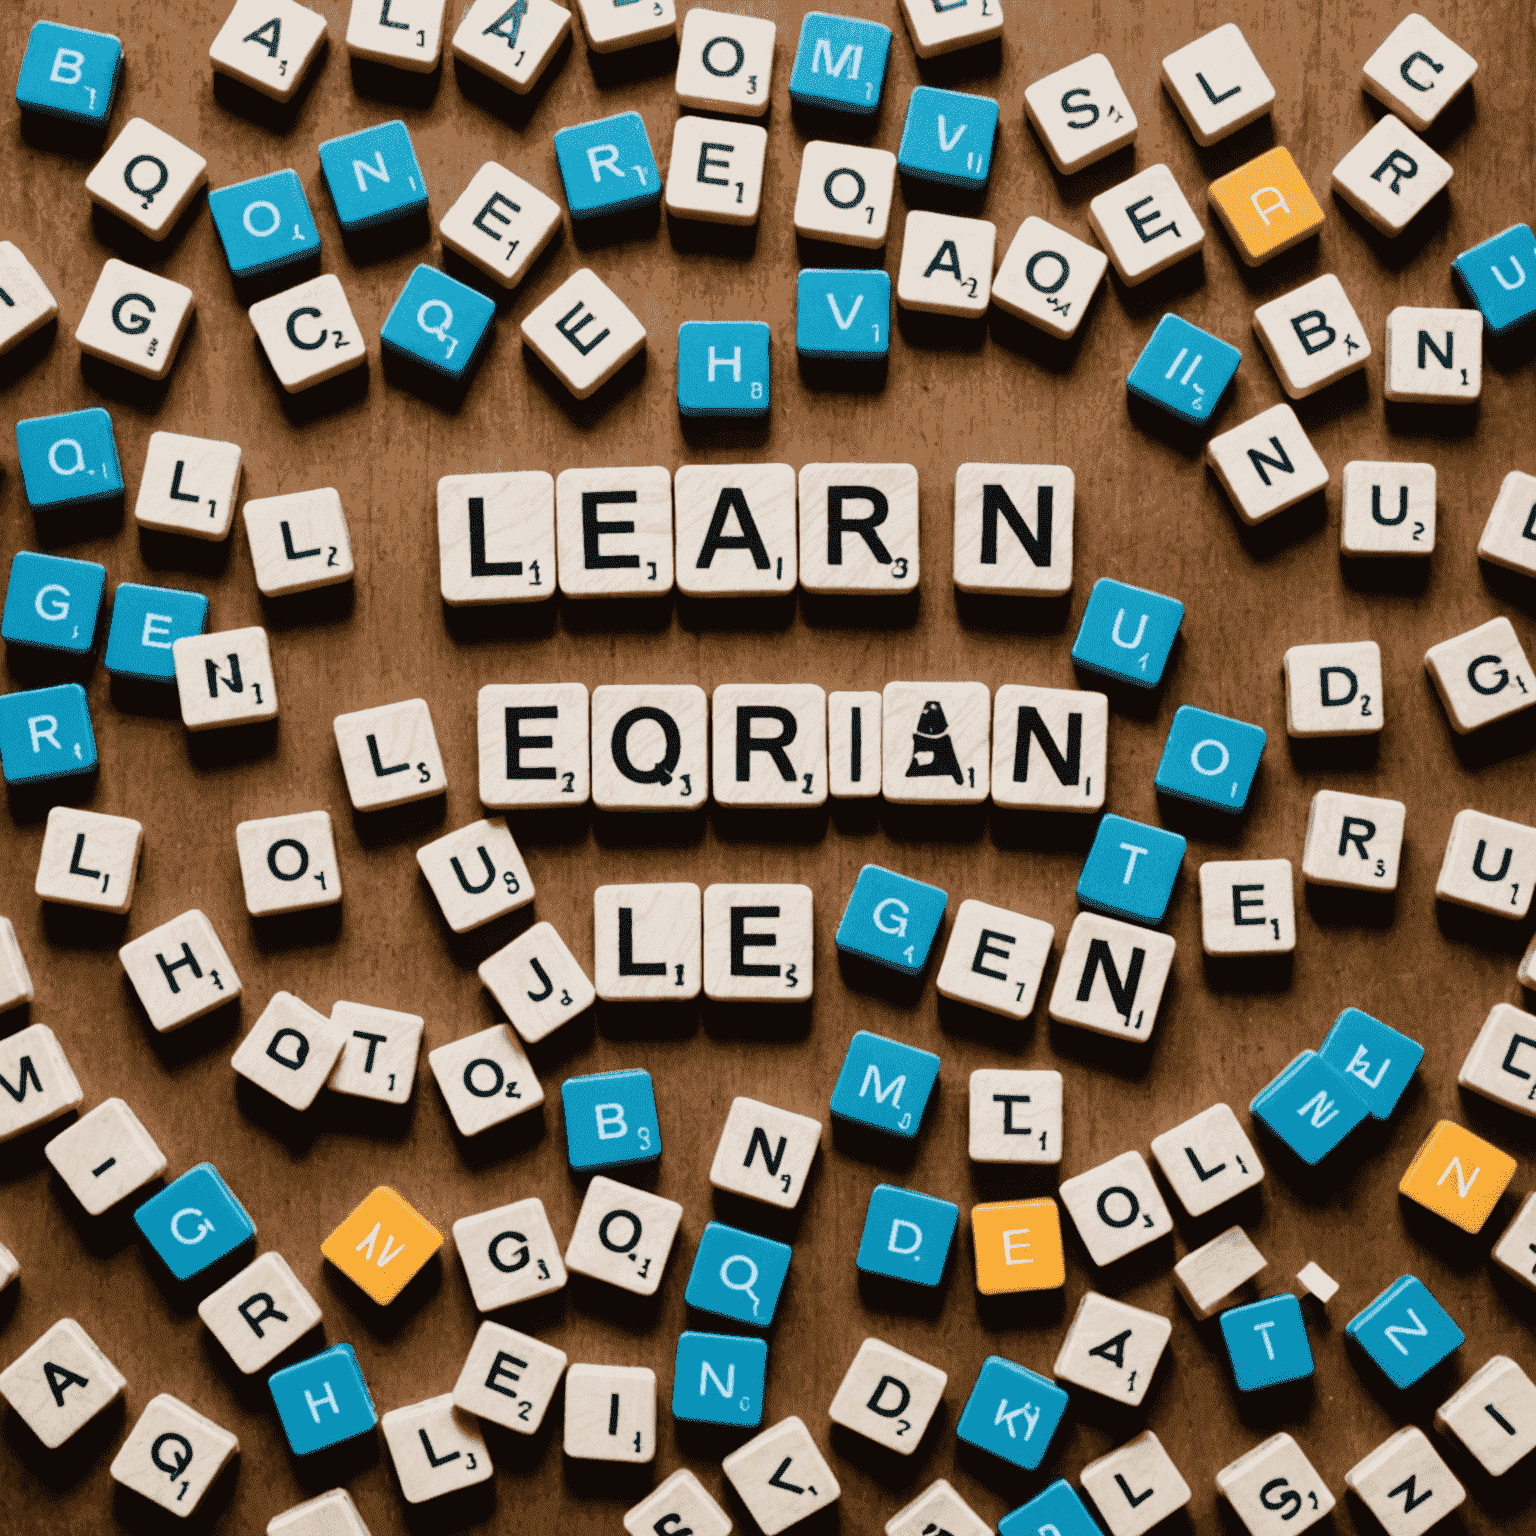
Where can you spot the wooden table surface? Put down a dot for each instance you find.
(1148, 512)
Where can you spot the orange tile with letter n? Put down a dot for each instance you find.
(382, 1245)
(1018, 1246)
(1266, 206)
(1458, 1176)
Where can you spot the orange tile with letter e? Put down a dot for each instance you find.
(1266, 206)
(1458, 1176)
(382, 1245)
(1018, 1246)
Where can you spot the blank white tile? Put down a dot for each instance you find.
(538, 982)
(496, 537)
(648, 942)
(1015, 1115)
(1081, 112)
(1136, 1486)
(389, 754)
(509, 1378)
(770, 744)
(1266, 464)
(534, 745)
(41, 1085)
(1390, 176)
(1355, 841)
(1418, 71)
(188, 486)
(1509, 536)
(1112, 976)
(1112, 1348)
(610, 26)
(173, 1455)
(105, 1156)
(610, 1413)
(477, 874)
(299, 541)
(853, 745)
(613, 529)
(509, 1255)
(225, 678)
(1515, 1251)
(406, 34)
(436, 1449)
(681, 1503)
(583, 331)
(180, 971)
(15, 980)
(1406, 1469)
(1493, 1415)
(1050, 748)
(1316, 1281)
(485, 1079)
(89, 860)
(1208, 1160)
(270, 59)
(759, 942)
(147, 178)
(781, 1476)
(309, 333)
(650, 747)
(993, 503)
(736, 527)
(1274, 1488)
(937, 29)
(379, 1061)
(637, 1241)
(1048, 278)
(1333, 689)
(1145, 225)
(888, 1396)
(946, 264)
(30, 305)
(845, 194)
(1481, 676)
(1489, 865)
(858, 528)
(259, 1313)
(715, 173)
(1501, 1065)
(288, 863)
(1217, 84)
(1208, 1276)
(725, 63)
(290, 1051)
(1433, 355)
(1312, 335)
(765, 1153)
(135, 319)
(500, 223)
(994, 960)
(29, 1390)
(1248, 907)
(937, 743)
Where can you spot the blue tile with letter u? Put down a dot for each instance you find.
(1499, 277)
(1130, 870)
(840, 63)
(843, 313)
(1267, 1343)
(53, 603)
(719, 1379)
(607, 166)
(1184, 370)
(948, 138)
(885, 1084)
(1378, 1060)
(1311, 1106)
(68, 460)
(737, 1275)
(610, 1120)
(907, 1236)
(722, 368)
(322, 1401)
(194, 1222)
(69, 72)
(891, 920)
(1406, 1331)
(1012, 1412)
(1127, 633)
(45, 733)
(264, 223)
(1210, 760)
(1059, 1510)
(373, 177)
(146, 623)
(439, 322)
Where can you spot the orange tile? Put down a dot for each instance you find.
(1266, 206)
(1018, 1246)
(1458, 1176)
(382, 1245)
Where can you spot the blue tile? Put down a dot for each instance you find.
(840, 63)
(1311, 1106)
(1378, 1060)
(1012, 1412)
(885, 1084)
(1127, 633)
(1210, 759)
(907, 1236)
(607, 166)
(53, 603)
(194, 1222)
(69, 72)
(68, 460)
(1184, 370)
(373, 177)
(1406, 1331)
(1499, 277)
(610, 1120)
(264, 223)
(737, 1275)
(146, 623)
(323, 1401)
(439, 322)
(843, 313)
(1267, 1343)
(1058, 1511)
(948, 138)
(45, 733)
(719, 1379)
(891, 920)
(722, 368)
(1130, 870)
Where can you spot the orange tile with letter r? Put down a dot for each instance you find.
(1266, 205)
(1018, 1246)
(382, 1245)
(1458, 1176)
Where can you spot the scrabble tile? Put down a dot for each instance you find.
(907, 1236)
(1489, 865)
(194, 1222)
(845, 194)
(828, 304)
(858, 528)
(53, 603)
(1015, 1116)
(1353, 841)
(648, 942)
(828, 45)
(188, 486)
(269, 45)
(1113, 609)
(329, 1384)
(64, 1380)
(1406, 1468)
(1267, 464)
(1406, 1332)
(938, 1506)
(485, 1079)
(610, 27)
(996, 549)
(1275, 1483)
(146, 624)
(406, 34)
(1312, 336)
(884, 1085)
(1048, 278)
(1316, 1281)
(1478, 1171)
(1112, 1348)
(1418, 71)
(1132, 962)
(1509, 536)
(949, 756)
(290, 1051)
(1058, 1508)
(389, 755)
(1081, 112)
(1012, 1413)
(716, 170)
(28, 305)
(614, 146)
(308, 333)
(650, 747)
(738, 1275)
(891, 920)
(781, 1476)
(946, 265)
(173, 1455)
(788, 1144)
(439, 322)
(736, 528)
(1126, 231)
(69, 72)
(259, 1313)
(1495, 1067)
(383, 1245)
(887, 1396)
(483, 521)
(1390, 176)
(723, 368)
(1207, 1160)
(1527, 970)
(1247, 907)
(501, 224)
(379, 1061)
(224, 678)
(1481, 675)
(331, 1514)
(853, 745)
(105, 1156)
(1217, 84)
(730, 1372)
(1208, 1276)
(37, 717)
(54, 449)
(476, 873)
(180, 971)
(1267, 1343)
(135, 319)
(1333, 689)
(147, 178)
(436, 1449)
(758, 943)
(288, 863)
(1479, 275)
(1266, 206)
(1116, 1208)
(614, 533)
(1493, 1415)
(610, 1120)
(15, 981)
(509, 1255)
(1018, 1247)
(1169, 372)
(538, 982)
(622, 1236)
(1210, 760)
(948, 135)
(1433, 355)
(681, 1503)
(1130, 870)
(1063, 735)
(995, 960)
(372, 175)
(1136, 1486)
(725, 63)
(509, 1378)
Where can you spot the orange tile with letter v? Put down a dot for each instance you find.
(1458, 1176)
(1018, 1246)
(1266, 206)
(382, 1245)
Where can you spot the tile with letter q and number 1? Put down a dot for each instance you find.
(439, 322)
(173, 1455)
